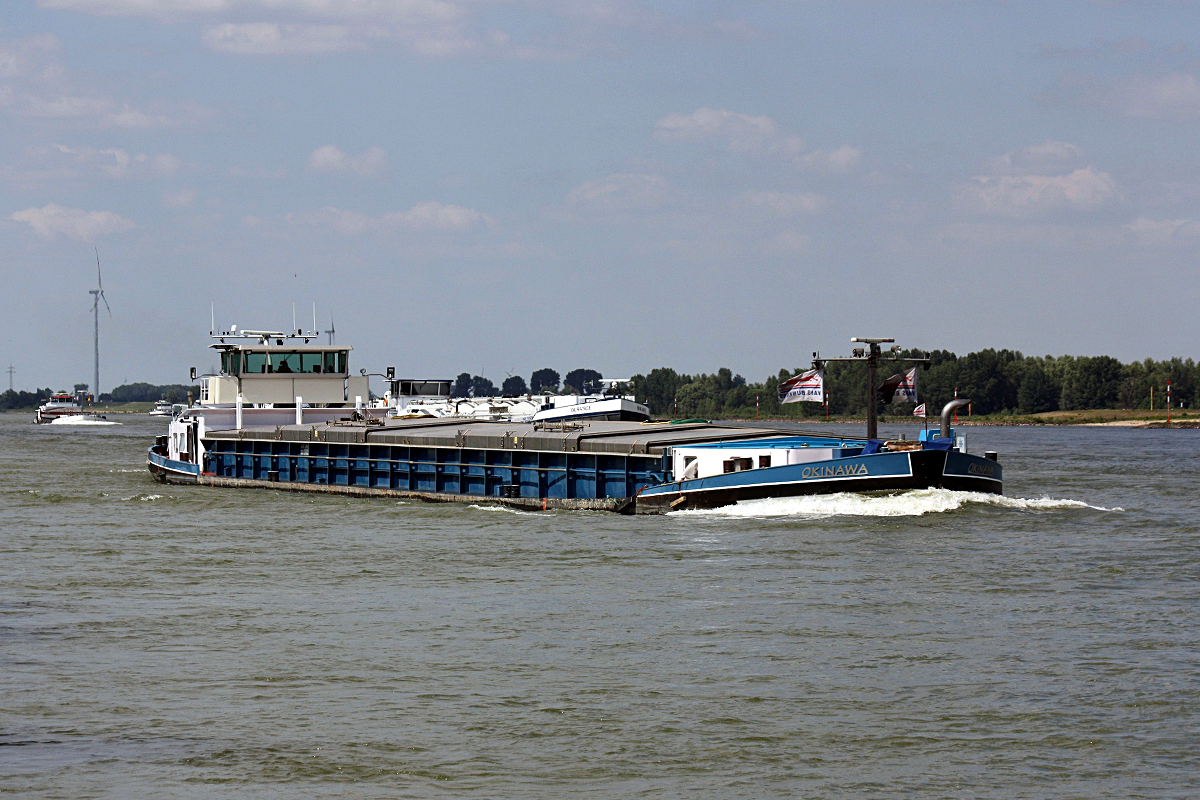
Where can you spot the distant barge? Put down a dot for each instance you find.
(621, 466)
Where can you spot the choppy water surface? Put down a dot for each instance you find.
(187, 642)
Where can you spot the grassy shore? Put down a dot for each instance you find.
(98, 408)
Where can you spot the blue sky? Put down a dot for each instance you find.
(494, 186)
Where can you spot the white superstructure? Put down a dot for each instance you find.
(60, 404)
(269, 378)
(409, 399)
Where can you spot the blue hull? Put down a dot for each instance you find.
(168, 470)
(560, 487)
(914, 469)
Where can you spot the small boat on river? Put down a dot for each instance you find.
(60, 404)
(288, 414)
(163, 408)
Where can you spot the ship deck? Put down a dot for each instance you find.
(598, 437)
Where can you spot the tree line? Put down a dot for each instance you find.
(150, 393)
(996, 381)
(23, 399)
(542, 381)
(128, 393)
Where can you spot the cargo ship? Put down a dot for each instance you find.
(285, 414)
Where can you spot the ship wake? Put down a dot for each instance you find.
(902, 504)
(81, 419)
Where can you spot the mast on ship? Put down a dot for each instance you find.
(873, 355)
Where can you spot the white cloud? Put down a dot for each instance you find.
(1171, 97)
(36, 85)
(425, 216)
(430, 28)
(784, 204)
(787, 243)
(272, 39)
(181, 199)
(102, 111)
(329, 158)
(1105, 238)
(1019, 195)
(24, 56)
(312, 27)
(147, 8)
(431, 215)
(75, 223)
(112, 162)
(1165, 232)
(992, 236)
(842, 159)
(749, 135)
(369, 10)
(63, 106)
(1037, 159)
(432, 34)
(742, 132)
(1175, 96)
(165, 164)
(126, 117)
(624, 192)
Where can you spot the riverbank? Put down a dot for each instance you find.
(98, 408)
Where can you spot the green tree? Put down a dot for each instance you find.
(543, 380)
(658, 389)
(579, 381)
(1038, 391)
(482, 387)
(514, 385)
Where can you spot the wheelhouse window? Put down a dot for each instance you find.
(335, 361)
(255, 364)
(285, 362)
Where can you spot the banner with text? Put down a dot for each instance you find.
(900, 388)
(809, 386)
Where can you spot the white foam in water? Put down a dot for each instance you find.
(505, 509)
(906, 504)
(81, 419)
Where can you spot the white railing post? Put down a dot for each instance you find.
(299, 410)
(239, 411)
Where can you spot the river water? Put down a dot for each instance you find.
(183, 642)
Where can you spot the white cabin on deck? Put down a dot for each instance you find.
(273, 368)
(268, 378)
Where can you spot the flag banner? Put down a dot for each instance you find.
(808, 386)
(907, 390)
(901, 387)
(919, 411)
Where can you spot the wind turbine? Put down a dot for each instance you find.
(331, 330)
(98, 295)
